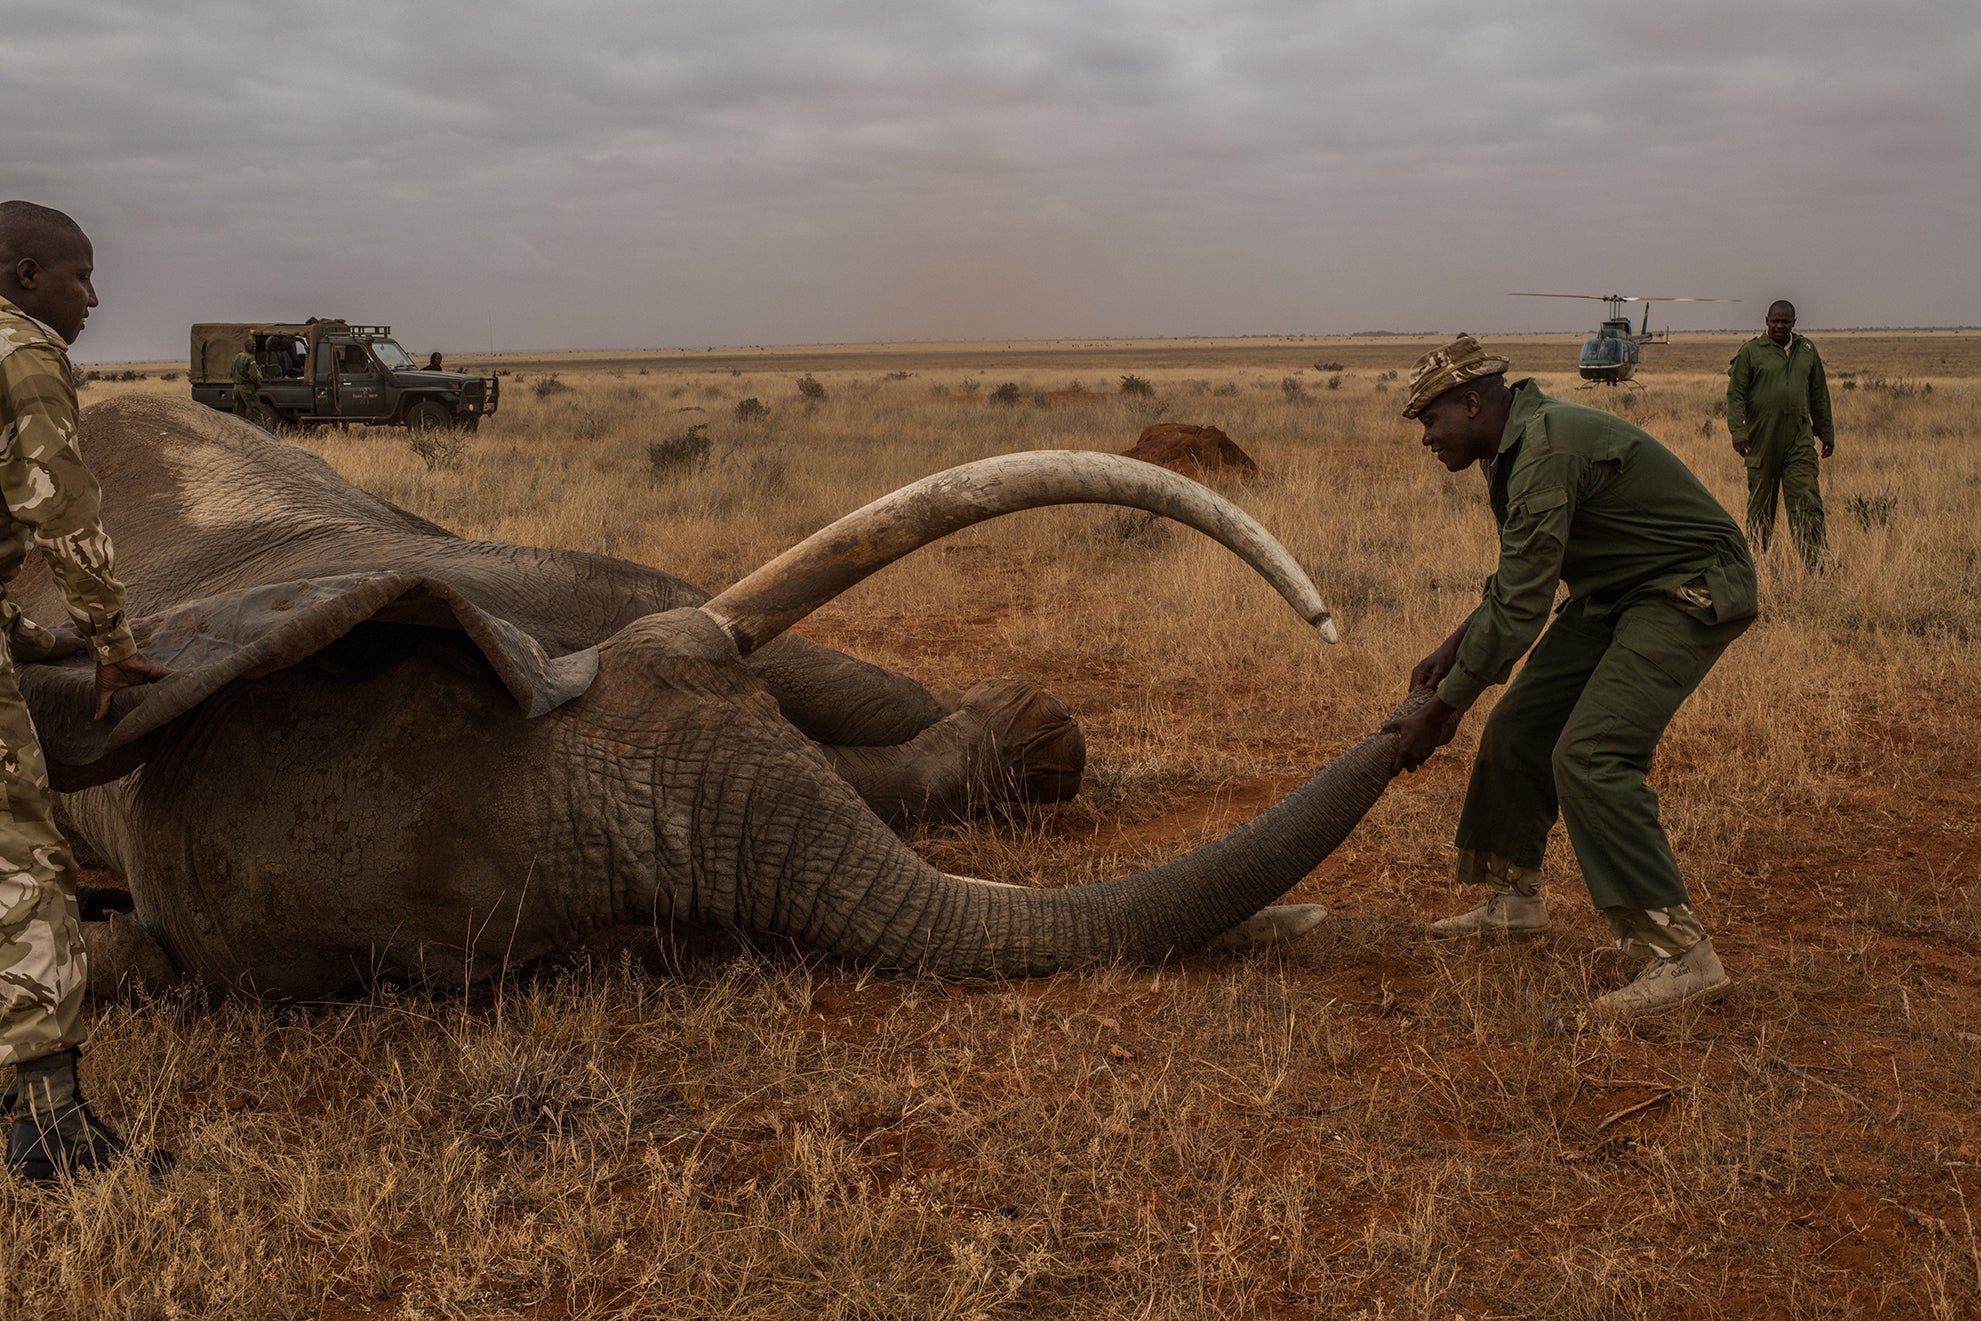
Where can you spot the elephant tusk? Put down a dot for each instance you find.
(833, 559)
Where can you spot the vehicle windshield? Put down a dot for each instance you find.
(390, 355)
(1600, 352)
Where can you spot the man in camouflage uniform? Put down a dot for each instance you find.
(247, 383)
(1660, 582)
(1778, 408)
(50, 502)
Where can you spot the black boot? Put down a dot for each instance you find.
(54, 1135)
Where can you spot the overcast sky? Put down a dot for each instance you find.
(529, 175)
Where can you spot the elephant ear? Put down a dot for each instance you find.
(214, 641)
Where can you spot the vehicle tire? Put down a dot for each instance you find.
(428, 415)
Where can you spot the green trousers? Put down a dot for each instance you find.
(1783, 462)
(247, 406)
(1575, 733)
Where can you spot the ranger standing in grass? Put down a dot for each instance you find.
(1660, 582)
(1778, 408)
(247, 382)
(48, 499)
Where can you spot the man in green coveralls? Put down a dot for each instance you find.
(247, 382)
(1778, 408)
(49, 502)
(1659, 583)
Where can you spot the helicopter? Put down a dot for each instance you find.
(1609, 357)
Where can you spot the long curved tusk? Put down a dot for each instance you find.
(784, 591)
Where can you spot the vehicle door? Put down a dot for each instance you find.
(359, 384)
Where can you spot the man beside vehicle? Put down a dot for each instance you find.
(1660, 583)
(246, 373)
(51, 502)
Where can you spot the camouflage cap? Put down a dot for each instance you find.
(1462, 360)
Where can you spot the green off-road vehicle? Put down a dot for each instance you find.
(333, 371)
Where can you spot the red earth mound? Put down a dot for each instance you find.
(1193, 451)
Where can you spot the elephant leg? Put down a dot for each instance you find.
(1006, 741)
(840, 701)
(125, 963)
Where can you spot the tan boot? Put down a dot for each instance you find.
(1694, 977)
(1500, 915)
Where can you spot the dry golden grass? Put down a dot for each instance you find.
(1363, 1124)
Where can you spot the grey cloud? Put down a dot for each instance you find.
(630, 174)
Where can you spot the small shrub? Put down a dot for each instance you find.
(971, 387)
(1041, 400)
(751, 409)
(1133, 527)
(130, 376)
(808, 386)
(1225, 390)
(897, 376)
(1334, 381)
(550, 385)
(1006, 394)
(1291, 387)
(1328, 367)
(168, 376)
(1872, 510)
(1898, 387)
(1136, 386)
(684, 452)
(1389, 375)
(438, 447)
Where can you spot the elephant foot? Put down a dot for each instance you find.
(1005, 742)
(125, 963)
(1269, 926)
(1034, 750)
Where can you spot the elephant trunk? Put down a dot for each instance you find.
(828, 562)
(828, 873)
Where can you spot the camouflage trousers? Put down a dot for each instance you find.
(41, 950)
(247, 405)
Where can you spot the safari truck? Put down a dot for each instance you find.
(333, 371)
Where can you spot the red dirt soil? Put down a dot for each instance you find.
(1192, 450)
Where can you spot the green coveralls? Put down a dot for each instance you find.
(247, 380)
(1778, 400)
(1583, 497)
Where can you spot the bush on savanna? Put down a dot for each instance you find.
(1291, 387)
(751, 409)
(1135, 385)
(437, 447)
(1006, 394)
(810, 388)
(168, 376)
(683, 452)
(1334, 381)
(550, 385)
(1328, 367)
(1873, 510)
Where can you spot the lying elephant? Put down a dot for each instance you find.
(388, 752)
